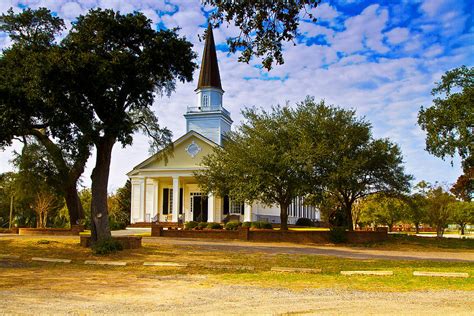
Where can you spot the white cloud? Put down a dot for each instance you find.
(397, 35)
(363, 31)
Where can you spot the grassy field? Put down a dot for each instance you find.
(199, 261)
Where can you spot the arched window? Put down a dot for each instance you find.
(205, 101)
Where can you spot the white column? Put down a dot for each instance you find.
(144, 187)
(156, 213)
(137, 207)
(247, 212)
(175, 210)
(210, 208)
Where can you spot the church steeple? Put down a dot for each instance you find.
(209, 76)
(209, 118)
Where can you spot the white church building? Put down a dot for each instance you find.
(166, 191)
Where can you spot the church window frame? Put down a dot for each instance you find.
(205, 101)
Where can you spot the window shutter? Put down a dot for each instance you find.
(180, 202)
(165, 201)
(226, 205)
(242, 207)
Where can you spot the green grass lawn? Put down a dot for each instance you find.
(413, 243)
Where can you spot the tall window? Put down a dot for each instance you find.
(205, 101)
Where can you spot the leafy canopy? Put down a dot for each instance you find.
(258, 161)
(449, 122)
(264, 26)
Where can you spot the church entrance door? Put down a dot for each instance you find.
(199, 208)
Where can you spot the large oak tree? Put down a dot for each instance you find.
(100, 82)
(339, 146)
(26, 110)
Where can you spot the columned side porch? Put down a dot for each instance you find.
(177, 198)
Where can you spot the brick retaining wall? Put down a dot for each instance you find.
(267, 235)
(73, 231)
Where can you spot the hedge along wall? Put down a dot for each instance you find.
(300, 237)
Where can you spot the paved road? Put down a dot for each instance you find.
(337, 251)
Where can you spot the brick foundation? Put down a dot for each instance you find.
(267, 235)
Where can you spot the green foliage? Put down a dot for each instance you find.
(85, 196)
(95, 87)
(259, 161)
(449, 121)
(202, 225)
(246, 224)
(352, 163)
(261, 225)
(232, 225)
(214, 226)
(439, 212)
(190, 225)
(383, 210)
(119, 205)
(337, 234)
(264, 26)
(41, 30)
(304, 222)
(462, 213)
(106, 246)
(313, 149)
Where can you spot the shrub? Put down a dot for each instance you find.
(107, 246)
(214, 226)
(232, 225)
(261, 225)
(303, 221)
(246, 224)
(190, 225)
(202, 225)
(338, 235)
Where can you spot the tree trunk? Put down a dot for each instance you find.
(73, 203)
(284, 216)
(463, 226)
(100, 229)
(347, 215)
(439, 231)
(417, 228)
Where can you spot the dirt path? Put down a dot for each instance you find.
(287, 248)
(194, 295)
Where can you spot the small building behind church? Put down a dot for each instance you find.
(166, 190)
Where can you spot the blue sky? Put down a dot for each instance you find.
(378, 57)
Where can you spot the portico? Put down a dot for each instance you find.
(164, 188)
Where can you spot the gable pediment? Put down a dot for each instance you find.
(187, 153)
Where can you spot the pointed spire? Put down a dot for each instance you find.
(209, 75)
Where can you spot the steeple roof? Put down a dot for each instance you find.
(209, 75)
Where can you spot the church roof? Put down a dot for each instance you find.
(209, 76)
